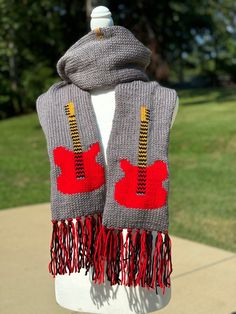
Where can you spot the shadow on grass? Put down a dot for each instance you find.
(204, 96)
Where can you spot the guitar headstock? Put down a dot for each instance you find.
(144, 113)
(70, 109)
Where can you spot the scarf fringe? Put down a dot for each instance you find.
(135, 261)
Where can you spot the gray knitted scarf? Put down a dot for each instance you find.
(91, 201)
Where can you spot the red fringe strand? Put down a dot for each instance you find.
(135, 261)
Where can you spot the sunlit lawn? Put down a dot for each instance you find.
(24, 174)
(203, 166)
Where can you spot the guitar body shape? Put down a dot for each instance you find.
(67, 181)
(142, 185)
(80, 172)
(155, 194)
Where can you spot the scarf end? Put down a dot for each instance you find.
(72, 244)
(129, 257)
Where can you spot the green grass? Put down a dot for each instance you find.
(203, 168)
(202, 160)
(24, 174)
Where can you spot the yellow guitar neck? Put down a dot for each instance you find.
(77, 147)
(143, 134)
(70, 111)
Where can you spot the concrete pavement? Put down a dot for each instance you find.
(203, 280)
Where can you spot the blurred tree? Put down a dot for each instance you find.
(33, 34)
(222, 40)
(178, 33)
(196, 37)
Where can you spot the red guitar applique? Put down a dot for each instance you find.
(142, 185)
(80, 171)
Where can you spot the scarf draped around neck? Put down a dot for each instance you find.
(92, 203)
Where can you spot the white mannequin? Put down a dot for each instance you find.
(76, 291)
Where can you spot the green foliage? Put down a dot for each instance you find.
(187, 38)
(34, 80)
(33, 36)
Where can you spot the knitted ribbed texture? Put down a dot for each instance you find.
(51, 111)
(115, 57)
(124, 143)
(131, 191)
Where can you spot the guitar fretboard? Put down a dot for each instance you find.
(143, 134)
(142, 149)
(77, 147)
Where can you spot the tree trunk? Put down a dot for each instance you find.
(15, 84)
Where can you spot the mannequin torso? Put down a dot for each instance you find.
(76, 291)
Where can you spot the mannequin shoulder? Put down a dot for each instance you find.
(169, 98)
(165, 91)
(53, 89)
(176, 108)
